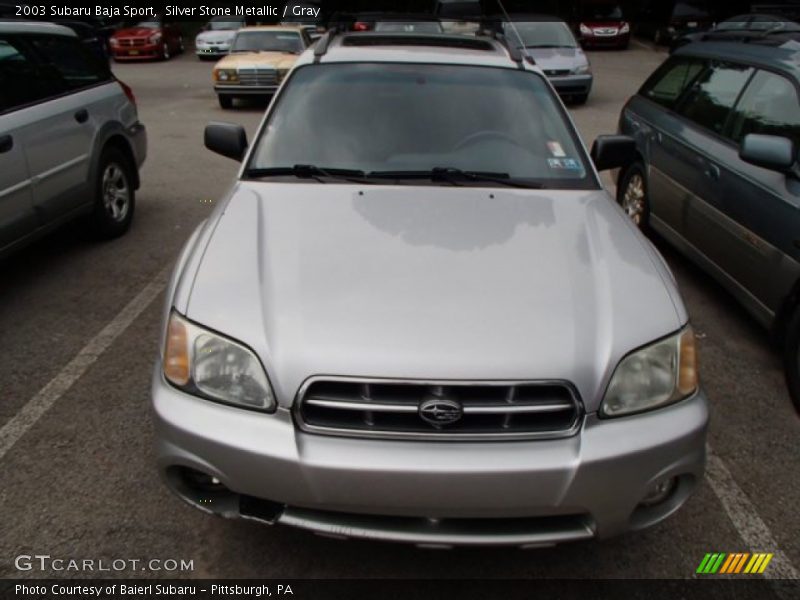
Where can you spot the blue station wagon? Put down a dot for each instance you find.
(717, 129)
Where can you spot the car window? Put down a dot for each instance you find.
(22, 81)
(77, 67)
(540, 34)
(667, 84)
(397, 117)
(268, 41)
(768, 106)
(709, 100)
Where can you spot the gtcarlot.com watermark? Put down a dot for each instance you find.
(50, 564)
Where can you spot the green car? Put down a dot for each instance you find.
(717, 129)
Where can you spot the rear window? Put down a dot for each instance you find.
(70, 60)
(403, 118)
(268, 41)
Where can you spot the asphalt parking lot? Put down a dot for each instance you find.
(79, 325)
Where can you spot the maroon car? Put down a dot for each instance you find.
(153, 39)
(603, 24)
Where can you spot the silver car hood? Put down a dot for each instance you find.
(430, 283)
(217, 37)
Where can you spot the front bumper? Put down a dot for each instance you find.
(212, 51)
(431, 493)
(246, 90)
(611, 41)
(573, 85)
(136, 52)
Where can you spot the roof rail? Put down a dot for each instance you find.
(321, 47)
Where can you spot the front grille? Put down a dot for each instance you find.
(258, 77)
(556, 72)
(606, 31)
(440, 410)
(132, 42)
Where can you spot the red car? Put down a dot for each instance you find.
(154, 39)
(603, 24)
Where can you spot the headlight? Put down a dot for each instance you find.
(226, 75)
(206, 364)
(581, 69)
(657, 375)
(626, 27)
(155, 38)
(585, 30)
(114, 41)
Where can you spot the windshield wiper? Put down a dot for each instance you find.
(453, 175)
(310, 172)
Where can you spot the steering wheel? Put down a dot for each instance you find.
(485, 135)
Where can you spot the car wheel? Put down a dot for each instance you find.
(181, 47)
(632, 194)
(225, 101)
(165, 54)
(115, 197)
(792, 359)
(659, 37)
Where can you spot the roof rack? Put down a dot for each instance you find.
(414, 39)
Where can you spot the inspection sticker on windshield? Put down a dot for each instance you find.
(569, 164)
(556, 149)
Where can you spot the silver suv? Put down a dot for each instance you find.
(70, 139)
(417, 316)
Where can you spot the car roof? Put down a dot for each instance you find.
(785, 58)
(416, 48)
(34, 27)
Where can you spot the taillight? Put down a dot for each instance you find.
(360, 26)
(128, 92)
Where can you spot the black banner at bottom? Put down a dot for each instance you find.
(380, 589)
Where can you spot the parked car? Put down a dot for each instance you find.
(216, 37)
(459, 16)
(259, 59)
(71, 142)
(549, 41)
(154, 39)
(414, 318)
(742, 28)
(663, 21)
(603, 24)
(718, 132)
(421, 26)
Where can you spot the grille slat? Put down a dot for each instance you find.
(439, 410)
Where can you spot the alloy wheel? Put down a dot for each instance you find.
(116, 192)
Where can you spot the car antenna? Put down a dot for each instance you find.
(513, 50)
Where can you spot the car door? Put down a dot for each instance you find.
(59, 144)
(22, 86)
(704, 151)
(671, 169)
(760, 208)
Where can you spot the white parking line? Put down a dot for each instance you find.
(745, 519)
(37, 406)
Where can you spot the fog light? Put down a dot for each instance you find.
(659, 492)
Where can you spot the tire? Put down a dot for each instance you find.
(791, 356)
(181, 47)
(632, 194)
(115, 197)
(225, 101)
(165, 53)
(658, 38)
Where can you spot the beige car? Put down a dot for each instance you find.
(259, 59)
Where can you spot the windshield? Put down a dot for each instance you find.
(409, 27)
(410, 118)
(268, 41)
(224, 25)
(601, 12)
(541, 34)
(149, 24)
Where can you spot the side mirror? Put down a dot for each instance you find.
(768, 151)
(226, 139)
(613, 152)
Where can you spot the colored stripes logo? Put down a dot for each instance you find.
(743, 563)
